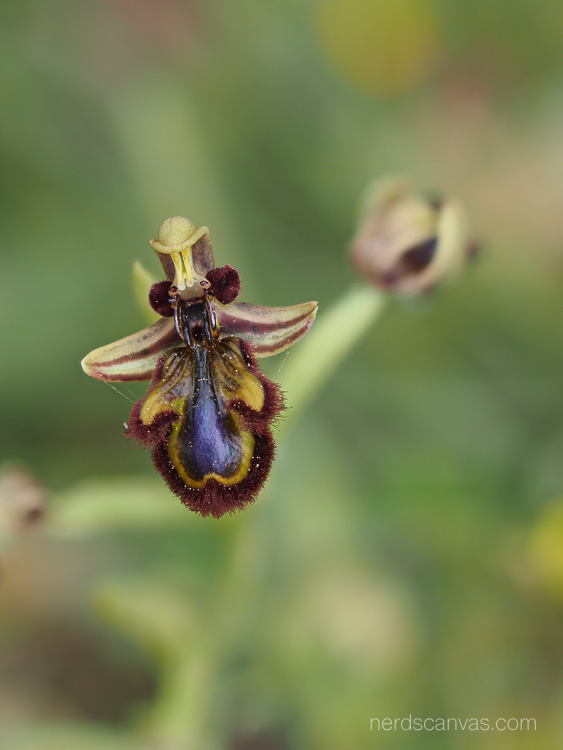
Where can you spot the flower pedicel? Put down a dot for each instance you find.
(208, 412)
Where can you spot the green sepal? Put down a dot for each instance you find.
(134, 357)
(142, 282)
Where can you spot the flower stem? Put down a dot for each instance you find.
(329, 342)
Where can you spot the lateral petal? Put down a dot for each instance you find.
(134, 357)
(268, 330)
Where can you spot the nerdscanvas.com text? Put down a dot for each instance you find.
(451, 724)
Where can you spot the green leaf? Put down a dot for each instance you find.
(142, 282)
(156, 615)
(99, 505)
(67, 736)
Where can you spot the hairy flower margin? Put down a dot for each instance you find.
(208, 413)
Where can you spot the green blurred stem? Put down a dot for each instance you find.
(182, 717)
(329, 342)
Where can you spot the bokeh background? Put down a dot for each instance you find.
(407, 558)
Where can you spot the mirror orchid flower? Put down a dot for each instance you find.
(208, 412)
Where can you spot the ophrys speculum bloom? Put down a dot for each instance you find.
(208, 413)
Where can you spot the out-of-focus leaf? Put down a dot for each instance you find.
(66, 737)
(99, 505)
(155, 614)
(165, 622)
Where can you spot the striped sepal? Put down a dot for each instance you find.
(268, 330)
(134, 357)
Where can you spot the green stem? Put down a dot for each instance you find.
(328, 343)
(181, 718)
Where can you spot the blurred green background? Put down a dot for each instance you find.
(407, 558)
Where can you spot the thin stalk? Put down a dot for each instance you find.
(329, 342)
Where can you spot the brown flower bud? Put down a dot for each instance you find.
(22, 499)
(408, 243)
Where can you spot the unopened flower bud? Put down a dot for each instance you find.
(22, 499)
(408, 243)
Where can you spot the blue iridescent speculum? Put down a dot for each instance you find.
(208, 413)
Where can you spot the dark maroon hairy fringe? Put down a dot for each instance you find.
(159, 300)
(159, 428)
(215, 499)
(225, 282)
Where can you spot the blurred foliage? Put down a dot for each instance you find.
(406, 556)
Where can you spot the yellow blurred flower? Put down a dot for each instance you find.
(382, 47)
(546, 548)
